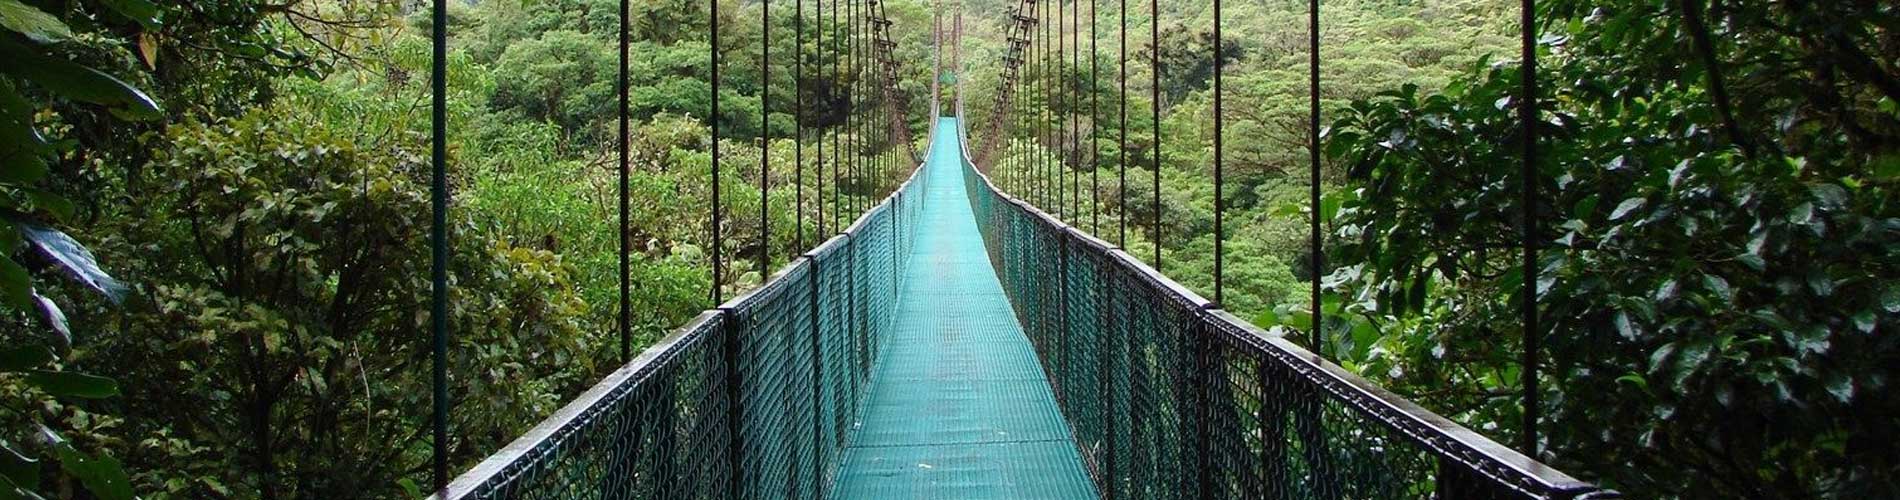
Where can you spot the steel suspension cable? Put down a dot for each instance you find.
(1056, 111)
(798, 122)
(837, 130)
(1121, 190)
(1095, 116)
(765, 139)
(626, 243)
(1154, 54)
(439, 242)
(1075, 118)
(1527, 170)
(1317, 259)
(818, 45)
(718, 294)
(1220, 207)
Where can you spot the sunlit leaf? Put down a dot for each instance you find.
(74, 257)
(34, 23)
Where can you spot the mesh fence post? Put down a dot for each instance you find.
(735, 407)
(1203, 393)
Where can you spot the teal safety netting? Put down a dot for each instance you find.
(957, 342)
(1172, 398)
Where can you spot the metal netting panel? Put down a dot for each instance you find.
(839, 355)
(797, 353)
(1171, 398)
(662, 417)
(772, 328)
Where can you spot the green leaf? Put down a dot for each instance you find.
(1890, 299)
(1719, 286)
(16, 286)
(17, 468)
(70, 384)
(1865, 321)
(1630, 205)
(141, 11)
(1625, 327)
(34, 23)
(24, 357)
(76, 82)
(1841, 386)
(54, 317)
(102, 475)
(74, 257)
(1641, 383)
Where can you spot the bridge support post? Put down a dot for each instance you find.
(1203, 394)
(735, 406)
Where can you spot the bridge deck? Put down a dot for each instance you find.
(960, 407)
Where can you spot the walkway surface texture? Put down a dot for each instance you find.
(960, 407)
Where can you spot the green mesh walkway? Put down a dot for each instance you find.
(960, 408)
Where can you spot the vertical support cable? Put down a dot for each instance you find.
(439, 242)
(1075, 119)
(1121, 190)
(1220, 205)
(1057, 110)
(1527, 113)
(765, 140)
(818, 45)
(837, 131)
(798, 122)
(1317, 259)
(1095, 135)
(718, 294)
(1154, 55)
(626, 243)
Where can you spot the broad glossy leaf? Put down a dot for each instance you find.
(72, 384)
(34, 23)
(1630, 205)
(16, 286)
(54, 317)
(142, 11)
(74, 81)
(1841, 386)
(74, 257)
(17, 468)
(102, 475)
(24, 358)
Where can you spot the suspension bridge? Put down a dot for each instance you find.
(958, 341)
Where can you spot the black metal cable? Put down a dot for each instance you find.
(1122, 94)
(1056, 110)
(798, 122)
(1317, 259)
(1154, 54)
(718, 294)
(838, 130)
(1095, 118)
(818, 45)
(765, 139)
(1075, 119)
(439, 242)
(1527, 113)
(1220, 207)
(625, 324)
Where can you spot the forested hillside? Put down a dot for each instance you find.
(214, 229)
(247, 184)
(1718, 231)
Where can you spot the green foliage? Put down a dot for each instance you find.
(1715, 282)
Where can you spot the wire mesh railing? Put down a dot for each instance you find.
(1170, 397)
(754, 399)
